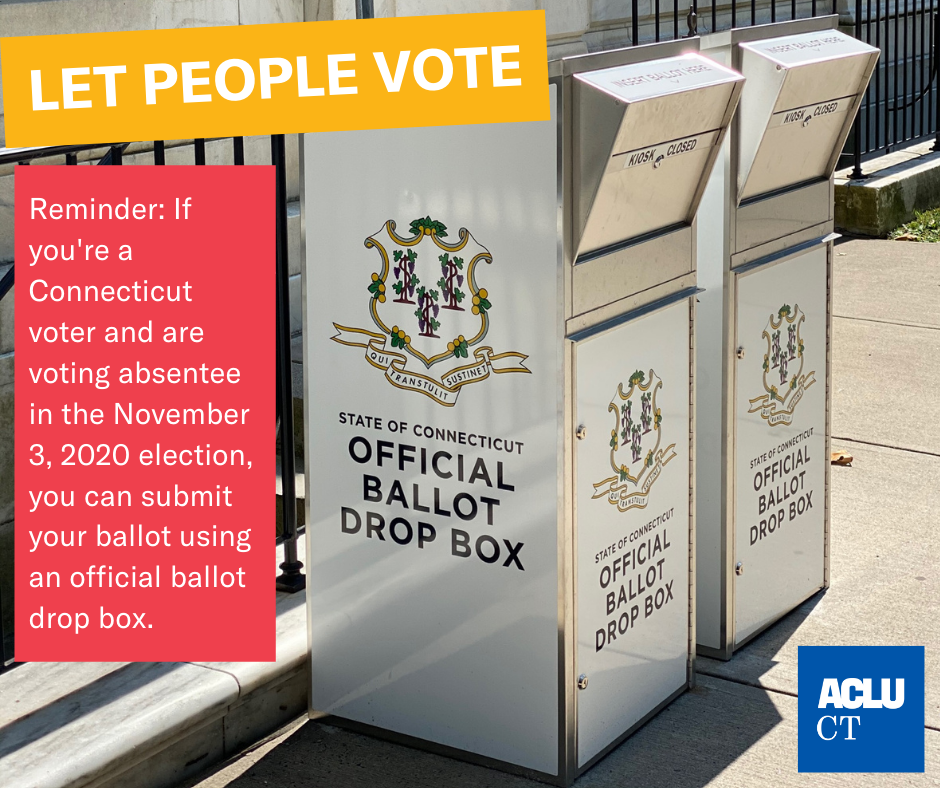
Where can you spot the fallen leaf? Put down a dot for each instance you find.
(841, 457)
(906, 237)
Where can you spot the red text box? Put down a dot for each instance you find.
(144, 387)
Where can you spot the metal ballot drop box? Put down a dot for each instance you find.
(765, 254)
(498, 415)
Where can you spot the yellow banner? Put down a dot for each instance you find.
(275, 79)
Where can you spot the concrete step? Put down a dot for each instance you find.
(896, 185)
(147, 725)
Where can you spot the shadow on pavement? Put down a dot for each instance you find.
(686, 746)
(761, 655)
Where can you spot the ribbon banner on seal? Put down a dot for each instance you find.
(627, 496)
(443, 391)
(768, 407)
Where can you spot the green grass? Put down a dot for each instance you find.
(924, 228)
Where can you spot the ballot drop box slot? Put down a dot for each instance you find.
(498, 414)
(765, 259)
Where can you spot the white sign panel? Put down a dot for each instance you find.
(806, 48)
(632, 522)
(780, 439)
(431, 364)
(662, 77)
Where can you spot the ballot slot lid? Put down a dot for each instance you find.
(645, 139)
(797, 107)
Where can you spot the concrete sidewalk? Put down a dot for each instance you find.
(738, 727)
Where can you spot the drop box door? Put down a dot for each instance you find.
(632, 522)
(780, 443)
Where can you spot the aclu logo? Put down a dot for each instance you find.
(854, 694)
(861, 708)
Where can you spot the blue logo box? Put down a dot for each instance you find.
(861, 708)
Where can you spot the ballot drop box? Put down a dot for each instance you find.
(765, 253)
(498, 415)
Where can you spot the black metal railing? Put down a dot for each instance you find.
(291, 578)
(665, 20)
(900, 106)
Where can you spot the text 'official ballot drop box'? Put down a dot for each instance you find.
(497, 355)
(765, 255)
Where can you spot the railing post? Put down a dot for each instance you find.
(199, 148)
(117, 155)
(290, 579)
(6, 284)
(3, 636)
(936, 66)
(159, 152)
(857, 173)
(238, 150)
